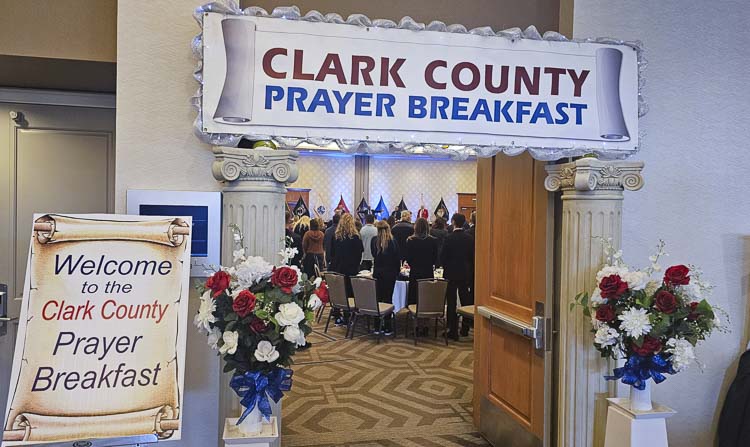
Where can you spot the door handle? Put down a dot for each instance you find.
(533, 331)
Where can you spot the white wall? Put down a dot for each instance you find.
(696, 195)
(156, 149)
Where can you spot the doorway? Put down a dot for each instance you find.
(58, 155)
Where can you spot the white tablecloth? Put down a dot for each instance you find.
(400, 293)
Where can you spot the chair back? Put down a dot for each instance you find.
(431, 297)
(337, 289)
(365, 295)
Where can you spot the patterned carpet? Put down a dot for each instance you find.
(359, 393)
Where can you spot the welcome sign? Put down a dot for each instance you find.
(305, 79)
(101, 343)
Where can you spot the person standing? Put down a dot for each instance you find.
(386, 266)
(312, 245)
(329, 236)
(296, 240)
(401, 231)
(346, 254)
(367, 234)
(421, 254)
(458, 265)
(439, 232)
(473, 224)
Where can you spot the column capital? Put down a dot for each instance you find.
(591, 175)
(255, 169)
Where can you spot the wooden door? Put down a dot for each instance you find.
(513, 290)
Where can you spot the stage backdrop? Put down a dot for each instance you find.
(360, 83)
(100, 351)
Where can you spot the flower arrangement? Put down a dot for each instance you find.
(256, 316)
(653, 324)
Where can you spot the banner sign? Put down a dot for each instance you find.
(303, 79)
(100, 351)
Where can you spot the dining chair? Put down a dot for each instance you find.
(366, 299)
(430, 305)
(337, 297)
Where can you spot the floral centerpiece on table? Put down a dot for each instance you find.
(653, 324)
(257, 316)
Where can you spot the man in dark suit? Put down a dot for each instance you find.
(329, 236)
(458, 267)
(401, 232)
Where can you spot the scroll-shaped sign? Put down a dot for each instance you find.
(309, 79)
(100, 351)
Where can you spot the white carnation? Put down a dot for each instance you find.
(213, 338)
(230, 342)
(266, 352)
(205, 315)
(610, 270)
(289, 314)
(596, 297)
(294, 335)
(636, 280)
(682, 353)
(652, 287)
(250, 271)
(635, 322)
(692, 292)
(314, 302)
(606, 336)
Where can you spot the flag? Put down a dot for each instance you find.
(342, 205)
(363, 210)
(442, 210)
(300, 209)
(381, 211)
(401, 207)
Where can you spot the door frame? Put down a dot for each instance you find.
(33, 97)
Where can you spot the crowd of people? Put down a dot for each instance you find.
(348, 246)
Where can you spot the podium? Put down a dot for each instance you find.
(629, 428)
(267, 437)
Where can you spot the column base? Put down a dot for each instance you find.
(268, 436)
(628, 428)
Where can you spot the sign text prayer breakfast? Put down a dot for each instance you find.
(100, 307)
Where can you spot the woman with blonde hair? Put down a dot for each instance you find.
(421, 254)
(386, 265)
(302, 226)
(346, 250)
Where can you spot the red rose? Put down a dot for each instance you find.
(666, 302)
(218, 282)
(258, 325)
(693, 315)
(322, 293)
(677, 275)
(650, 346)
(285, 278)
(244, 303)
(605, 313)
(612, 286)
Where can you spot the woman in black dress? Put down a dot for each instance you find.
(386, 266)
(422, 255)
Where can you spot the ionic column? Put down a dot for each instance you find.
(254, 199)
(592, 194)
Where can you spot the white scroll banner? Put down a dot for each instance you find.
(100, 351)
(303, 79)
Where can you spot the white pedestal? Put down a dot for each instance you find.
(268, 436)
(628, 428)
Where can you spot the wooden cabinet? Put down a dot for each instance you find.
(467, 202)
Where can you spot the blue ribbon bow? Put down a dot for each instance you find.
(254, 388)
(638, 370)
